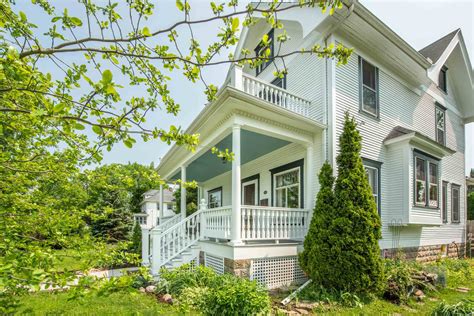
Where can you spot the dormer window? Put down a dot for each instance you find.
(442, 83)
(260, 51)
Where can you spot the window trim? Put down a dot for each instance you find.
(361, 89)
(263, 66)
(456, 187)
(444, 72)
(428, 159)
(377, 165)
(444, 203)
(213, 191)
(439, 107)
(287, 167)
(255, 177)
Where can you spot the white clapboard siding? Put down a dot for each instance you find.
(401, 106)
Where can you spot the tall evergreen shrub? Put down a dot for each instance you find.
(136, 245)
(356, 228)
(317, 250)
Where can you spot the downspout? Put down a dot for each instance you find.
(329, 103)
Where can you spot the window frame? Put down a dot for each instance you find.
(376, 165)
(444, 73)
(209, 192)
(286, 187)
(444, 202)
(441, 109)
(286, 168)
(361, 89)
(458, 188)
(271, 37)
(428, 159)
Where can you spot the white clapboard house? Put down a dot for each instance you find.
(156, 207)
(411, 107)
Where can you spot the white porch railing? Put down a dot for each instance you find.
(169, 222)
(217, 222)
(273, 223)
(269, 92)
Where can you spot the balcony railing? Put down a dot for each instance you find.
(269, 92)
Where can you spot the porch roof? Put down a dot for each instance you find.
(208, 165)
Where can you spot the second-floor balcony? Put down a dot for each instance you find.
(268, 92)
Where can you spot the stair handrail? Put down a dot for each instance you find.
(168, 244)
(168, 223)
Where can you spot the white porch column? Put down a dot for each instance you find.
(145, 246)
(162, 210)
(236, 211)
(155, 251)
(183, 192)
(310, 176)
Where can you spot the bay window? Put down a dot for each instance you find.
(426, 184)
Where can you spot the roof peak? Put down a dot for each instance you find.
(434, 50)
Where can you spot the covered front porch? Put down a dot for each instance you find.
(265, 194)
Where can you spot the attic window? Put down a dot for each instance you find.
(442, 84)
(261, 51)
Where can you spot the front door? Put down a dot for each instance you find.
(249, 192)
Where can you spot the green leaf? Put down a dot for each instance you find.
(235, 24)
(107, 76)
(76, 21)
(23, 16)
(110, 90)
(180, 5)
(146, 31)
(59, 107)
(128, 143)
(97, 129)
(79, 126)
(56, 19)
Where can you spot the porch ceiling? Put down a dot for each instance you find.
(253, 145)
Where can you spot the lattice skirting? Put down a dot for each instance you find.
(277, 271)
(214, 262)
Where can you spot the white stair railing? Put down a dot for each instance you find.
(169, 222)
(170, 243)
(273, 223)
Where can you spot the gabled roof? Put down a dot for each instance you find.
(154, 196)
(437, 48)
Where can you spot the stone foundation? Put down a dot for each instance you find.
(240, 268)
(427, 253)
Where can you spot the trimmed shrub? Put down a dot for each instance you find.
(317, 250)
(212, 294)
(352, 262)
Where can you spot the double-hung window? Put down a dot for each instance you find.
(440, 117)
(455, 203)
(265, 51)
(426, 186)
(369, 86)
(372, 169)
(287, 188)
(214, 198)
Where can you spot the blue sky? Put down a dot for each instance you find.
(418, 22)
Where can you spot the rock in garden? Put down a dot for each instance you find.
(302, 311)
(167, 299)
(306, 306)
(142, 290)
(150, 289)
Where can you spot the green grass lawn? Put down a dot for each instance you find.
(115, 304)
